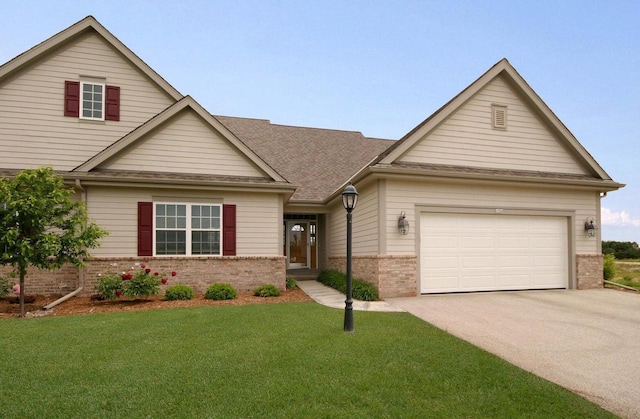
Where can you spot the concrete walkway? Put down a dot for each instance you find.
(329, 297)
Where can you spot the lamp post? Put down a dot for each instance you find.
(349, 200)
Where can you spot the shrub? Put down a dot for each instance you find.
(291, 283)
(361, 290)
(333, 279)
(364, 291)
(5, 286)
(109, 286)
(221, 292)
(179, 292)
(268, 290)
(135, 283)
(609, 267)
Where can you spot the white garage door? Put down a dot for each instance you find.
(473, 252)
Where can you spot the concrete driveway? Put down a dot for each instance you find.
(587, 341)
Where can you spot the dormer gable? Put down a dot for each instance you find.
(182, 139)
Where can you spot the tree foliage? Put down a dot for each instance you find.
(621, 250)
(41, 226)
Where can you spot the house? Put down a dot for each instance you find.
(496, 192)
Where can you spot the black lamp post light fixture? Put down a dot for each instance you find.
(590, 228)
(349, 201)
(403, 224)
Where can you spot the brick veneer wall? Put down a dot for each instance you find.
(244, 273)
(394, 276)
(45, 282)
(589, 271)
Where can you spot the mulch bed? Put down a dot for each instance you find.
(85, 305)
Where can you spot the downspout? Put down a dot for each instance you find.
(83, 198)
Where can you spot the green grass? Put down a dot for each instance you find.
(628, 272)
(273, 360)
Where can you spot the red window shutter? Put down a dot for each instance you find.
(228, 230)
(145, 228)
(112, 103)
(72, 98)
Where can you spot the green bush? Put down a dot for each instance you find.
(609, 267)
(5, 286)
(179, 292)
(361, 290)
(109, 287)
(221, 292)
(141, 282)
(291, 283)
(268, 290)
(364, 291)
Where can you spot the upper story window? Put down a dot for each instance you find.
(91, 100)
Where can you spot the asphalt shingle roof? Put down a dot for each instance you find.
(317, 160)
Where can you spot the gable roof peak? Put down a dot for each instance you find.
(501, 68)
(66, 35)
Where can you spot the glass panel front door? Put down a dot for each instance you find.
(298, 244)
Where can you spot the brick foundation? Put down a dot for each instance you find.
(394, 276)
(244, 273)
(589, 271)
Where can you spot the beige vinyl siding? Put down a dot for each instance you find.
(185, 145)
(338, 230)
(467, 137)
(116, 210)
(33, 129)
(365, 225)
(408, 196)
(365, 222)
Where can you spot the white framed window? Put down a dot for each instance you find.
(92, 100)
(187, 229)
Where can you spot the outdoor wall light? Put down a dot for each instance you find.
(403, 224)
(590, 228)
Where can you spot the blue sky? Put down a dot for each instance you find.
(381, 67)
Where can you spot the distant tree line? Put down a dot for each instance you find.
(621, 250)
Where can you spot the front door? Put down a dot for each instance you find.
(298, 244)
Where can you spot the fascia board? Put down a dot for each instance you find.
(600, 185)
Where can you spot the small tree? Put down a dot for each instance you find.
(41, 226)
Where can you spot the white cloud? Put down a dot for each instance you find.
(621, 218)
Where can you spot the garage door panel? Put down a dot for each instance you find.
(478, 262)
(478, 252)
(513, 262)
(442, 262)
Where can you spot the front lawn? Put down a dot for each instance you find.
(277, 360)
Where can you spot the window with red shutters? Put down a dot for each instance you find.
(92, 107)
(146, 227)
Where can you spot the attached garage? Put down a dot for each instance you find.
(491, 252)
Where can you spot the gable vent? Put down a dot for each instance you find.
(499, 114)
